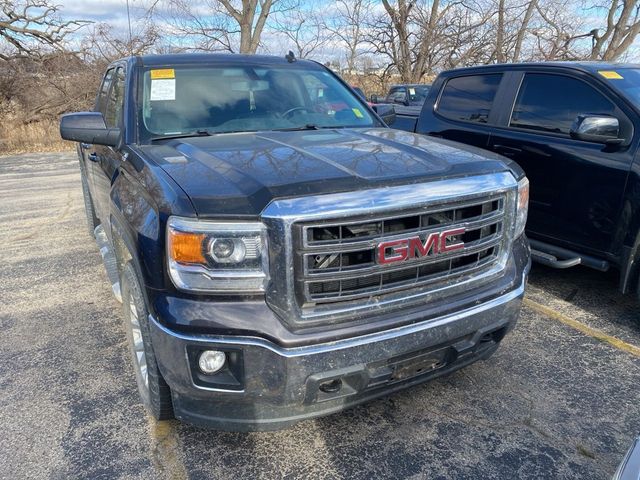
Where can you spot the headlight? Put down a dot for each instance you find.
(217, 257)
(522, 206)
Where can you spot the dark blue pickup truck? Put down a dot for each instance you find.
(282, 254)
(575, 130)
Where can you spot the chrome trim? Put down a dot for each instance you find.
(350, 246)
(372, 201)
(469, 248)
(281, 215)
(347, 342)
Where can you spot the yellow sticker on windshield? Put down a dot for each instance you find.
(162, 73)
(610, 74)
(357, 113)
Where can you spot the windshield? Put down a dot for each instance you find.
(217, 99)
(417, 94)
(627, 81)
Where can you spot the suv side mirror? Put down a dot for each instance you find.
(386, 111)
(596, 128)
(374, 98)
(88, 127)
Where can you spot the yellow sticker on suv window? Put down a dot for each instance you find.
(162, 73)
(357, 112)
(610, 74)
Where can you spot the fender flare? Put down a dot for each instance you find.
(125, 251)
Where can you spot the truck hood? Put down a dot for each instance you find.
(238, 174)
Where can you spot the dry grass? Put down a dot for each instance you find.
(33, 137)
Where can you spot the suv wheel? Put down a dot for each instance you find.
(92, 220)
(154, 391)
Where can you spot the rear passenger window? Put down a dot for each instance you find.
(469, 98)
(550, 103)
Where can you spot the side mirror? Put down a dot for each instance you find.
(386, 112)
(374, 98)
(596, 128)
(360, 93)
(88, 127)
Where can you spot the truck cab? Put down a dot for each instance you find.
(575, 130)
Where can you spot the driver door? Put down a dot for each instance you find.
(576, 186)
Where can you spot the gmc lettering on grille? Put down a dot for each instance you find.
(394, 251)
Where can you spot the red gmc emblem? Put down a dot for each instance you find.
(395, 251)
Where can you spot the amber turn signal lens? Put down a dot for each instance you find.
(186, 247)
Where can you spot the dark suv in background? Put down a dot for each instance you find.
(574, 129)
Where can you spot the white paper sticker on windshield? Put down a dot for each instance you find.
(164, 89)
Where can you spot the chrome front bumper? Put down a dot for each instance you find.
(279, 386)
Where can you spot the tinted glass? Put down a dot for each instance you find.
(551, 103)
(115, 100)
(469, 98)
(104, 90)
(625, 80)
(418, 94)
(397, 95)
(221, 99)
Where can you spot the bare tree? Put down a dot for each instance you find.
(231, 25)
(28, 25)
(304, 30)
(622, 28)
(347, 24)
(251, 16)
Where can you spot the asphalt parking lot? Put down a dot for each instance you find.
(560, 399)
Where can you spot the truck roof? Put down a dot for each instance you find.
(213, 58)
(586, 66)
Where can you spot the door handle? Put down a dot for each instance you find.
(93, 156)
(507, 150)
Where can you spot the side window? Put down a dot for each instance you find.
(397, 95)
(115, 100)
(550, 103)
(469, 98)
(104, 91)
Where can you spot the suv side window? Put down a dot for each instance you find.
(104, 91)
(469, 98)
(115, 100)
(550, 103)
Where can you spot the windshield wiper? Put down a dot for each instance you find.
(197, 133)
(308, 126)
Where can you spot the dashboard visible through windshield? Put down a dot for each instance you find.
(218, 99)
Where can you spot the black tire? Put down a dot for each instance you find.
(92, 220)
(155, 393)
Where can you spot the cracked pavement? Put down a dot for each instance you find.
(551, 403)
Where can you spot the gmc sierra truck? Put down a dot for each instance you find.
(574, 127)
(280, 252)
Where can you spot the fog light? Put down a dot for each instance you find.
(211, 361)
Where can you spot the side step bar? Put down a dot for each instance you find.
(109, 259)
(558, 257)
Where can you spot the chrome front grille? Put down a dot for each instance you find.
(323, 248)
(340, 259)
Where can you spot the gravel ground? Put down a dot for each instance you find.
(553, 402)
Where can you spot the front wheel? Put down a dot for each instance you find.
(154, 391)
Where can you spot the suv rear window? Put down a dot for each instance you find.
(551, 103)
(469, 98)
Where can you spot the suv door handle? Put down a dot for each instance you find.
(93, 156)
(507, 150)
